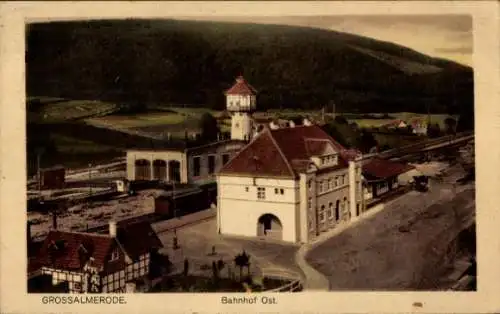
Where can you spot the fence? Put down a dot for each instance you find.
(295, 284)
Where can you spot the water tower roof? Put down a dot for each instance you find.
(241, 87)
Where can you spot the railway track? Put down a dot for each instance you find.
(441, 142)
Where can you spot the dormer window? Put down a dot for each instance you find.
(115, 255)
(82, 250)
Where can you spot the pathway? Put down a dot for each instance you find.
(387, 252)
(315, 280)
(380, 251)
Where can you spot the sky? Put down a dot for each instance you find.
(444, 36)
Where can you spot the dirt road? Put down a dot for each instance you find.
(391, 250)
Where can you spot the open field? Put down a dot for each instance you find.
(72, 145)
(56, 109)
(138, 120)
(371, 123)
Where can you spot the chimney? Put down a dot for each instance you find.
(273, 125)
(54, 220)
(112, 228)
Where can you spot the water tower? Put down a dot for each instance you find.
(241, 102)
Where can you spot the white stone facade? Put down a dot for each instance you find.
(304, 207)
(241, 126)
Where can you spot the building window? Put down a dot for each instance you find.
(336, 181)
(337, 210)
(114, 255)
(261, 193)
(225, 158)
(322, 216)
(196, 166)
(276, 191)
(282, 191)
(211, 164)
(342, 180)
(246, 189)
(330, 210)
(77, 286)
(320, 186)
(309, 185)
(330, 184)
(309, 204)
(311, 226)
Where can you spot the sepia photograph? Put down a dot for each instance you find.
(249, 156)
(235, 154)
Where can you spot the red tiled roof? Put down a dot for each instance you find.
(241, 87)
(381, 168)
(138, 239)
(281, 152)
(316, 147)
(65, 254)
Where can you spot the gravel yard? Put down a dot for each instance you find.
(196, 243)
(94, 214)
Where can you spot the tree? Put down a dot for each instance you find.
(209, 127)
(215, 271)
(242, 260)
(450, 125)
(366, 141)
(433, 130)
(341, 120)
(186, 267)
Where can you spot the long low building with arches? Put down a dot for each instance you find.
(180, 164)
(289, 184)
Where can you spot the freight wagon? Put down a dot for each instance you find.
(186, 202)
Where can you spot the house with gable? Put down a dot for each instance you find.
(289, 184)
(96, 263)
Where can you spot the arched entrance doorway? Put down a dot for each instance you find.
(270, 226)
(142, 169)
(174, 170)
(160, 170)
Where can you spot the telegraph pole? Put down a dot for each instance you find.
(38, 175)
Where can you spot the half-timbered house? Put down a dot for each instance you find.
(96, 263)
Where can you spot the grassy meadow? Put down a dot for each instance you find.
(101, 126)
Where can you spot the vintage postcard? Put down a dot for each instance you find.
(250, 157)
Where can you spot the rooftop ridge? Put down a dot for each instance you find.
(282, 155)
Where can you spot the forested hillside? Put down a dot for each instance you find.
(143, 62)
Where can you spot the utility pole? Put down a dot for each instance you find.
(173, 198)
(38, 175)
(90, 178)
